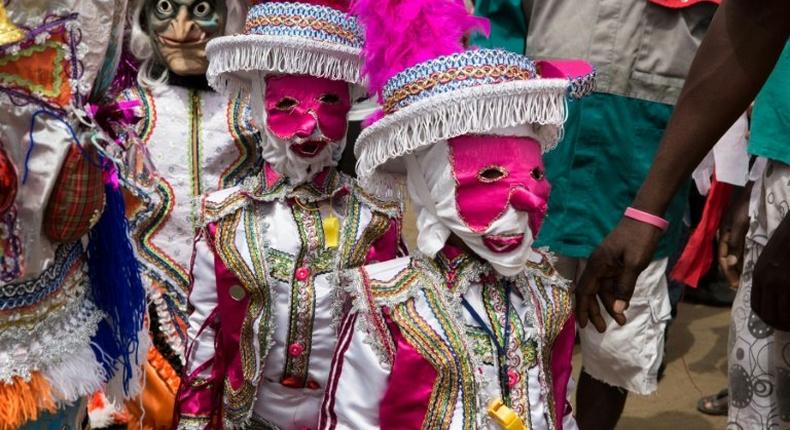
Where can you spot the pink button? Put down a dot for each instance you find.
(512, 378)
(302, 274)
(295, 350)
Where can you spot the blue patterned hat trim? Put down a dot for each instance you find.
(319, 23)
(455, 72)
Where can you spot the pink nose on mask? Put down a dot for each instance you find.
(524, 200)
(304, 125)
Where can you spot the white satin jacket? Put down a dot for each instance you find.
(265, 298)
(413, 355)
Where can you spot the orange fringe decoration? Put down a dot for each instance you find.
(24, 401)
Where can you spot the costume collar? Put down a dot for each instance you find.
(457, 268)
(270, 185)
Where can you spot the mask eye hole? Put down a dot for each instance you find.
(491, 174)
(286, 104)
(202, 9)
(329, 99)
(165, 8)
(538, 174)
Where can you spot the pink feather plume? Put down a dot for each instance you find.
(403, 33)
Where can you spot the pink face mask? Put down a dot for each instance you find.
(299, 107)
(495, 172)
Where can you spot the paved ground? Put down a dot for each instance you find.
(696, 365)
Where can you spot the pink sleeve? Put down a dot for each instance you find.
(561, 368)
(387, 246)
(196, 399)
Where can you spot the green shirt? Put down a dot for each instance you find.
(609, 145)
(508, 25)
(770, 133)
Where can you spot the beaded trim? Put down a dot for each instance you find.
(192, 423)
(11, 252)
(305, 21)
(241, 128)
(454, 72)
(28, 293)
(48, 334)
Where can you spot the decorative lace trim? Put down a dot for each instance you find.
(230, 57)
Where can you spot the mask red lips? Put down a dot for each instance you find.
(503, 244)
(309, 149)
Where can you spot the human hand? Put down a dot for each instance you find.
(732, 237)
(612, 271)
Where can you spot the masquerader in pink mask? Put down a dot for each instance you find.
(476, 330)
(265, 293)
(305, 121)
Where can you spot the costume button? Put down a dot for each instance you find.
(512, 378)
(237, 293)
(313, 385)
(295, 350)
(290, 382)
(302, 274)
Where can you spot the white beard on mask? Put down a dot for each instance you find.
(430, 177)
(299, 170)
(278, 153)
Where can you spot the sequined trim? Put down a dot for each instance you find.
(238, 402)
(186, 422)
(195, 149)
(60, 320)
(148, 112)
(447, 354)
(257, 189)
(240, 128)
(148, 229)
(312, 255)
(11, 255)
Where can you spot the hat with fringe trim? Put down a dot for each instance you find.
(432, 89)
(309, 37)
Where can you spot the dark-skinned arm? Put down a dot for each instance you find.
(736, 57)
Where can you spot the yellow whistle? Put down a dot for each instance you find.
(331, 231)
(504, 416)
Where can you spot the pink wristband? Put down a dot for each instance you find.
(647, 218)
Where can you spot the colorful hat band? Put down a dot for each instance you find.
(455, 72)
(305, 21)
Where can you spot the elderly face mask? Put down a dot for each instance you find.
(306, 119)
(180, 30)
(488, 190)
